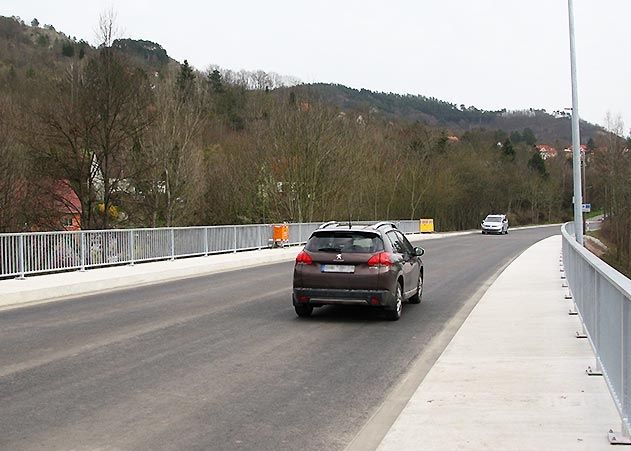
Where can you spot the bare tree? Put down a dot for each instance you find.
(308, 146)
(12, 179)
(27, 198)
(171, 154)
(59, 135)
(107, 29)
(118, 97)
(613, 163)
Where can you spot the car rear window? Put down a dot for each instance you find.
(344, 242)
(493, 219)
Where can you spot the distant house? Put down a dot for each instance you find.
(46, 204)
(546, 151)
(584, 149)
(67, 204)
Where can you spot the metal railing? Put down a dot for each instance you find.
(603, 300)
(41, 252)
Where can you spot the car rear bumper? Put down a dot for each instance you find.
(325, 296)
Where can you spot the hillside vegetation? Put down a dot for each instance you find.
(145, 141)
(552, 129)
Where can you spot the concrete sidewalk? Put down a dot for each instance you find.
(513, 377)
(49, 287)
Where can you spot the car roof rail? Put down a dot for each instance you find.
(327, 224)
(384, 223)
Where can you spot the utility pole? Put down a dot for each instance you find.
(576, 139)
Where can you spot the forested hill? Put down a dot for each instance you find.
(39, 50)
(458, 118)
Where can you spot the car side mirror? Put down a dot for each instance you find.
(418, 251)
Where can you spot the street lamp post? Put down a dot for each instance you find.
(576, 139)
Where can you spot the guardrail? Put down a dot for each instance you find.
(40, 252)
(602, 297)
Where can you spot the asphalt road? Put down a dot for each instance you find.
(222, 362)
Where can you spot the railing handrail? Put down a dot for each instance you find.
(615, 277)
(69, 232)
(40, 252)
(602, 298)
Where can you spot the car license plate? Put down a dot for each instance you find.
(338, 268)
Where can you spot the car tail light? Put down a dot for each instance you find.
(380, 259)
(303, 298)
(374, 300)
(304, 258)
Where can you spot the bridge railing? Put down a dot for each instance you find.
(603, 300)
(41, 252)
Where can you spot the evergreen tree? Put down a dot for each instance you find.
(43, 40)
(538, 165)
(185, 79)
(67, 49)
(215, 82)
(529, 137)
(500, 135)
(508, 150)
(34, 23)
(516, 137)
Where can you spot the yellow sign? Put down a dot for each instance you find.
(426, 225)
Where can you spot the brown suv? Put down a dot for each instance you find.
(371, 265)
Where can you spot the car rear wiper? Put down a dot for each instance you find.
(330, 249)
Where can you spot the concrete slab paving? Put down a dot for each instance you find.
(513, 377)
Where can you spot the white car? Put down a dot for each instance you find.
(495, 224)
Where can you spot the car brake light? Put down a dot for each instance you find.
(380, 259)
(304, 258)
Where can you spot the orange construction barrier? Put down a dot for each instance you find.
(280, 235)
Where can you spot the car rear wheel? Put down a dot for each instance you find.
(395, 314)
(303, 311)
(416, 298)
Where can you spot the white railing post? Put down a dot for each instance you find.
(205, 241)
(172, 244)
(235, 239)
(21, 256)
(260, 236)
(82, 250)
(132, 246)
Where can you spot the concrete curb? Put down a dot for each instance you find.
(51, 287)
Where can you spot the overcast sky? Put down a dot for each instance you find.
(489, 53)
